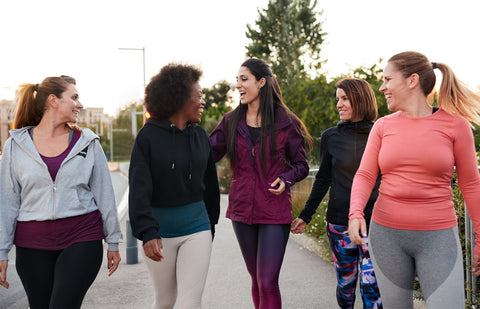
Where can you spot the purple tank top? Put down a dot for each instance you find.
(61, 233)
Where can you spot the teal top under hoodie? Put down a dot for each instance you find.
(28, 193)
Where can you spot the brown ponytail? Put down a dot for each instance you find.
(32, 99)
(456, 98)
(453, 96)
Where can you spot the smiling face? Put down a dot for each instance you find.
(193, 108)
(248, 87)
(395, 88)
(69, 105)
(344, 106)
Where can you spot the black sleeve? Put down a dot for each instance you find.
(322, 183)
(144, 226)
(211, 195)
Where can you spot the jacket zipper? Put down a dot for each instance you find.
(54, 193)
(254, 184)
(54, 186)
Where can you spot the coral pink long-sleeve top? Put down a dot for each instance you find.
(416, 157)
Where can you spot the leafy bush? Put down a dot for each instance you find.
(224, 175)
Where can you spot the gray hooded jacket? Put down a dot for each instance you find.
(28, 193)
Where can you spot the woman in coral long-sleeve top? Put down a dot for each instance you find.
(414, 226)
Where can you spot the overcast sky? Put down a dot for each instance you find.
(82, 39)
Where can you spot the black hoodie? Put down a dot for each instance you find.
(341, 150)
(170, 167)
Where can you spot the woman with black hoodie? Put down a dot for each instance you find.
(174, 199)
(341, 149)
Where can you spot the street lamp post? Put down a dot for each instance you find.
(143, 53)
(134, 125)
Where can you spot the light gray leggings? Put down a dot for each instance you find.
(179, 279)
(435, 255)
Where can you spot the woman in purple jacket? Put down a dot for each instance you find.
(264, 142)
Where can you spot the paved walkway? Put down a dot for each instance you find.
(306, 280)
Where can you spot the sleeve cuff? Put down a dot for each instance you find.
(113, 247)
(3, 255)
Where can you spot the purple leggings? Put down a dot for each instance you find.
(263, 247)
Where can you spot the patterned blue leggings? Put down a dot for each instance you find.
(346, 256)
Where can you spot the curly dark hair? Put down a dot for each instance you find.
(170, 89)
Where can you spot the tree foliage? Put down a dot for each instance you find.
(217, 99)
(313, 101)
(289, 37)
(218, 94)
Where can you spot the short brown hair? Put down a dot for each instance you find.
(361, 96)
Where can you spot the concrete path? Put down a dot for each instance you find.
(306, 280)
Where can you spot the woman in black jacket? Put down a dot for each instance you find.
(341, 149)
(174, 199)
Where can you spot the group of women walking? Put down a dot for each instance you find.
(390, 213)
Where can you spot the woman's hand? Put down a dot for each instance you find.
(355, 227)
(153, 249)
(113, 260)
(476, 265)
(298, 226)
(3, 274)
(281, 186)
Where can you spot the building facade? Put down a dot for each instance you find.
(7, 114)
(92, 117)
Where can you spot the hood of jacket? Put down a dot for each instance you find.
(363, 126)
(24, 140)
(173, 131)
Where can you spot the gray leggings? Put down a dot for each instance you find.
(436, 256)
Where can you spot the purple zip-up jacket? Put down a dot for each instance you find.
(250, 202)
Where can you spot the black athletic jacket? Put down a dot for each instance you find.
(170, 167)
(341, 150)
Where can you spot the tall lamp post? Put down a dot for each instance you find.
(134, 112)
(143, 54)
(132, 251)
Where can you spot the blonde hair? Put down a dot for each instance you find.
(454, 96)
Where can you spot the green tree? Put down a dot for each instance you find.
(123, 138)
(218, 94)
(216, 98)
(313, 101)
(289, 36)
(373, 75)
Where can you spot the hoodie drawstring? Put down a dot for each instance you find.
(189, 150)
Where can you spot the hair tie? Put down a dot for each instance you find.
(36, 87)
(434, 65)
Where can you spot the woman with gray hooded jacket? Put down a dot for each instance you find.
(57, 198)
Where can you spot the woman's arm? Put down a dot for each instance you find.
(295, 151)
(467, 174)
(144, 226)
(102, 190)
(218, 139)
(362, 185)
(211, 195)
(323, 180)
(10, 204)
